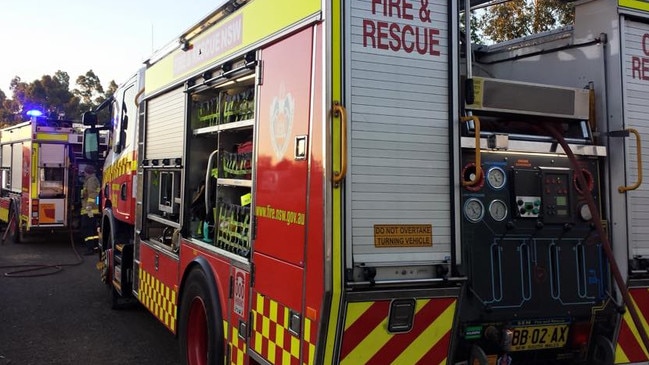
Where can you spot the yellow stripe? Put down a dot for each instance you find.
(379, 337)
(285, 13)
(427, 339)
(295, 347)
(336, 262)
(620, 356)
(125, 165)
(52, 137)
(273, 311)
(34, 192)
(634, 4)
(634, 330)
(354, 311)
(4, 214)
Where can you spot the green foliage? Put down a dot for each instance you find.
(52, 94)
(89, 90)
(520, 18)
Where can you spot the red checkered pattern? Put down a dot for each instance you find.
(270, 336)
(236, 343)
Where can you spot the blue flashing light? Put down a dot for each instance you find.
(34, 113)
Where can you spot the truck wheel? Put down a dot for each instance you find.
(200, 332)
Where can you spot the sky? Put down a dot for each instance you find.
(112, 38)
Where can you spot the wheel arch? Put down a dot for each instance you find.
(107, 227)
(200, 263)
(110, 226)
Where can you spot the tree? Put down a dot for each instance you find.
(6, 114)
(112, 87)
(51, 94)
(89, 90)
(519, 18)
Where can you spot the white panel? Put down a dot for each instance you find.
(398, 97)
(636, 107)
(52, 154)
(16, 167)
(6, 156)
(165, 125)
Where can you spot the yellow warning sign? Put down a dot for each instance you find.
(403, 235)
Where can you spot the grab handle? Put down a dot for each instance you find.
(208, 173)
(625, 133)
(340, 111)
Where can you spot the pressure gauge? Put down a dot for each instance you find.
(585, 213)
(496, 177)
(473, 210)
(498, 210)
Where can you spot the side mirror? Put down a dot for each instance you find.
(91, 144)
(89, 118)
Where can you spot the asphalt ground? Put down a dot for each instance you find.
(62, 315)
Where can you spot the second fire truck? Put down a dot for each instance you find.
(41, 160)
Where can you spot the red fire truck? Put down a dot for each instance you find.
(328, 182)
(41, 184)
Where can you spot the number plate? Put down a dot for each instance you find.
(539, 337)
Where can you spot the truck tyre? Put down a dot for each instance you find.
(106, 255)
(115, 300)
(201, 337)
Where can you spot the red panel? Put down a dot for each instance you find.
(284, 101)
(279, 281)
(123, 209)
(167, 267)
(221, 268)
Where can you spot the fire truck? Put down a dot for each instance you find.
(353, 182)
(40, 180)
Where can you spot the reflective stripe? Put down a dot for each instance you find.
(90, 238)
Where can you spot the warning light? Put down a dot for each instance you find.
(34, 113)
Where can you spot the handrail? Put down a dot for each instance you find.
(623, 189)
(478, 168)
(340, 111)
(207, 181)
(137, 96)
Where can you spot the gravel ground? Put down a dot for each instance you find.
(62, 316)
